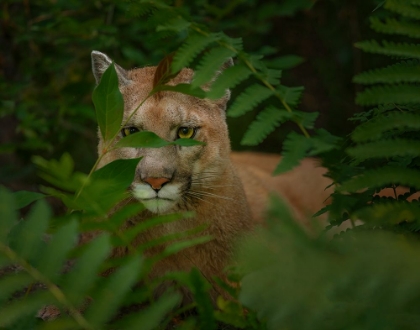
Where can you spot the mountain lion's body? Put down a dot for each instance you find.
(228, 192)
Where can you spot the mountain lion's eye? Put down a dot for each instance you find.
(186, 132)
(128, 131)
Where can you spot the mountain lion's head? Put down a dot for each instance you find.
(170, 178)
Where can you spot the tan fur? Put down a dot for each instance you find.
(231, 189)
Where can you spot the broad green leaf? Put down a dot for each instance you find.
(85, 272)
(286, 62)
(111, 294)
(146, 139)
(106, 187)
(24, 198)
(8, 213)
(109, 103)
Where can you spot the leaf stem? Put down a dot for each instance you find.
(54, 289)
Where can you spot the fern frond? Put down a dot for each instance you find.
(295, 148)
(390, 48)
(193, 45)
(399, 94)
(393, 26)
(290, 95)
(249, 99)
(209, 64)
(176, 24)
(265, 123)
(403, 8)
(398, 73)
(385, 149)
(229, 78)
(8, 212)
(381, 177)
(373, 129)
(389, 213)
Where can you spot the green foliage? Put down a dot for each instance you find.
(384, 152)
(364, 278)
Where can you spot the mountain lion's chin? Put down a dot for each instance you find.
(158, 205)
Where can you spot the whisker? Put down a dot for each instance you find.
(205, 193)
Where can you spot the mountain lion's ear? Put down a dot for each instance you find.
(101, 62)
(222, 102)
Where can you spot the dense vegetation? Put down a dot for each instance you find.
(363, 278)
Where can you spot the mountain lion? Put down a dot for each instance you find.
(227, 191)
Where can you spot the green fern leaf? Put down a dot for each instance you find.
(389, 213)
(398, 73)
(56, 251)
(403, 8)
(209, 64)
(26, 237)
(385, 149)
(9, 284)
(373, 129)
(150, 317)
(393, 26)
(265, 123)
(382, 177)
(200, 288)
(306, 119)
(390, 48)
(399, 94)
(176, 24)
(8, 213)
(295, 148)
(21, 308)
(83, 274)
(193, 45)
(111, 293)
(290, 95)
(249, 99)
(228, 79)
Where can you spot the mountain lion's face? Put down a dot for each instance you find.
(172, 178)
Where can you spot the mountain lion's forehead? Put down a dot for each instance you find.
(166, 113)
(146, 75)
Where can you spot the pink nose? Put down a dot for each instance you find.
(156, 183)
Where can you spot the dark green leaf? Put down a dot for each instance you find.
(109, 104)
(7, 212)
(24, 198)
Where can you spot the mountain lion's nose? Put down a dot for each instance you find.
(156, 183)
